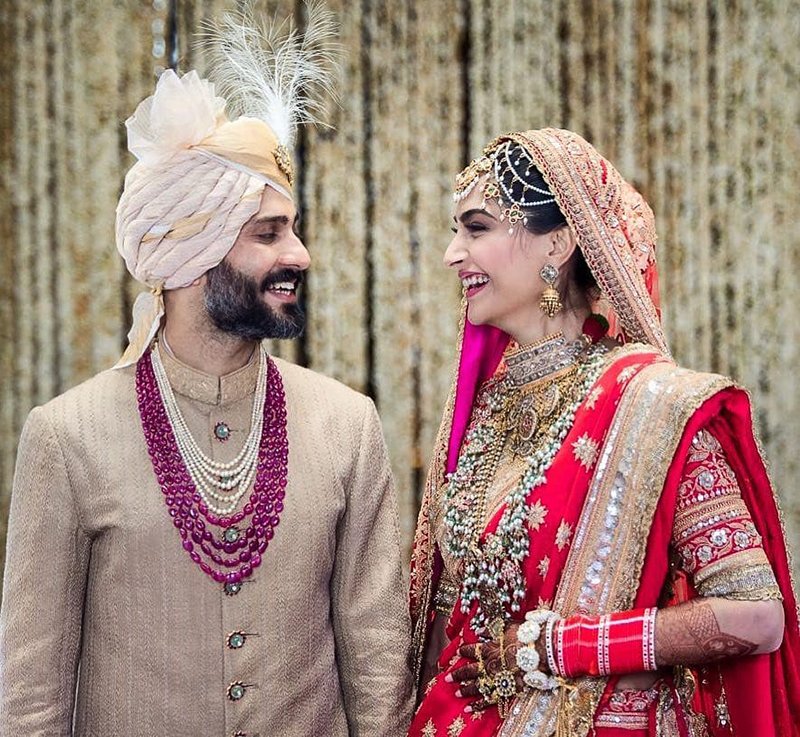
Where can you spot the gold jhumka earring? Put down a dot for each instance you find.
(550, 303)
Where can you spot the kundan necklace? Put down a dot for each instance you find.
(198, 490)
(561, 375)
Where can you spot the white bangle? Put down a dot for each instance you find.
(537, 622)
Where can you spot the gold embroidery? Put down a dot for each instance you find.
(544, 565)
(563, 535)
(536, 515)
(594, 395)
(627, 373)
(456, 727)
(714, 535)
(585, 450)
(429, 730)
(743, 583)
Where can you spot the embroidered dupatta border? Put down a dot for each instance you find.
(614, 526)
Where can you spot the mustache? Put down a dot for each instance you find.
(286, 274)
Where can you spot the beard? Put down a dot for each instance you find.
(234, 303)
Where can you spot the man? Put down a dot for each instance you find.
(204, 540)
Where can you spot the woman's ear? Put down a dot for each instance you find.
(561, 246)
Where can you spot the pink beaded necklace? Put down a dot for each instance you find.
(232, 556)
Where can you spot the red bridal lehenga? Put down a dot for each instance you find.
(590, 477)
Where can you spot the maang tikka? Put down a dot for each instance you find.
(550, 303)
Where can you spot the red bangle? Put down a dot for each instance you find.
(611, 644)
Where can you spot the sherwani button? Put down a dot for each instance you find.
(236, 640)
(222, 432)
(236, 691)
(231, 589)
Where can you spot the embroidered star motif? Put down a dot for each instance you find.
(594, 395)
(563, 534)
(477, 715)
(429, 730)
(536, 514)
(544, 603)
(626, 373)
(585, 450)
(456, 727)
(430, 685)
(544, 564)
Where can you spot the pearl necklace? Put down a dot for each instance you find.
(214, 480)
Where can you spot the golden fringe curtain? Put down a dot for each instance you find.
(696, 101)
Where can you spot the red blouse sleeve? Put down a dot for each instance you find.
(716, 542)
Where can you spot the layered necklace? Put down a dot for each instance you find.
(529, 406)
(201, 494)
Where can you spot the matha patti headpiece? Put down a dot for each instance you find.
(505, 169)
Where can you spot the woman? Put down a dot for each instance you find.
(599, 549)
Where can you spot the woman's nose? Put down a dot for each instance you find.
(455, 253)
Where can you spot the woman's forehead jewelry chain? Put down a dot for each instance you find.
(505, 167)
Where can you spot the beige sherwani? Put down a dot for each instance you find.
(108, 629)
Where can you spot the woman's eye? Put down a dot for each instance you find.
(476, 227)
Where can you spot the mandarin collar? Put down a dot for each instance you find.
(206, 388)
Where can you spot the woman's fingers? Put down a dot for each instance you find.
(465, 673)
(468, 690)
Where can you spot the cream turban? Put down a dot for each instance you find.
(198, 179)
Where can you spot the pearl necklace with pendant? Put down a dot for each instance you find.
(215, 480)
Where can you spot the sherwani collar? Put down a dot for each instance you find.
(206, 388)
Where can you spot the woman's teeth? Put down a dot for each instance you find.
(475, 280)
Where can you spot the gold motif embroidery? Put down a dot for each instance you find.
(585, 450)
(544, 565)
(627, 709)
(429, 730)
(627, 373)
(594, 395)
(456, 727)
(563, 534)
(536, 515)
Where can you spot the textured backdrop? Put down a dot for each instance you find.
(697, 102)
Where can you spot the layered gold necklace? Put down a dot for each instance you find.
(529, 407)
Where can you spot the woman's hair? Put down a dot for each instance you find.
(547, 217)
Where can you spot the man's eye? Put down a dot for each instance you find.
(266, 237)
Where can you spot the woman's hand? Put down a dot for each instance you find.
(493, 661)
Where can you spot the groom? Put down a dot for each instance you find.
(203, 540)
